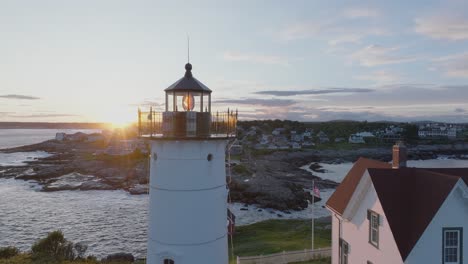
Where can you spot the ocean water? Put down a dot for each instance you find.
(112, 221)
(10, 138)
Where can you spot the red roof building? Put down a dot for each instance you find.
(389, 213)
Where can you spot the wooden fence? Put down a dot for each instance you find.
(286, 257)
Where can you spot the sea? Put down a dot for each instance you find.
(113, 221)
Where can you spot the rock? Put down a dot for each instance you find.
(75, 181)
(244, 209)
(95, 185)
(119, 257)
(316, 167)
(279, 215)
(139, 189)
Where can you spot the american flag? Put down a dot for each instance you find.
(316, 191)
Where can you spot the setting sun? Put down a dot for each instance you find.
(118, 117)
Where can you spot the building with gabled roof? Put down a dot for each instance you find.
(389, 213)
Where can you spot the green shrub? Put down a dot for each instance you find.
(8, 252)
(241, 170)
(55, 248)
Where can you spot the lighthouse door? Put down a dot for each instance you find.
(168, 261)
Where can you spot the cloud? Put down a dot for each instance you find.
(339, 29)
(256, 58)
(450, 27)
(259, 102)
(19, 97)
(460, 110)
(395, 102)
(375, 55)
(316, 92)
(453, 65)
(361, 12)
(380, 77)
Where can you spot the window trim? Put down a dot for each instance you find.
(342, 252)
(370, 214)
(460, 244)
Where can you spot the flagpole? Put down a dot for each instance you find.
(313, 198)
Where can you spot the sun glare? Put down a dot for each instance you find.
(119, 117)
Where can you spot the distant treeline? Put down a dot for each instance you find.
(44, 125)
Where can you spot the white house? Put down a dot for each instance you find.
(356, 139)
(388, 213)
(60, 136)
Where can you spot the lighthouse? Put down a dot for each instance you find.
(188, 191)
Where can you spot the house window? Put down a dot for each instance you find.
(168, 261)
(344, 251)
(452, 245)
(374, 221)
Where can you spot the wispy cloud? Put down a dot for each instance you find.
(256, 58)
(395, 102)
(315, 91)
(342, 28)
(375, 55)
(455, 65)
(259, 102)
(19, 97)
(380, 77)
(450, 27)
(360, 12)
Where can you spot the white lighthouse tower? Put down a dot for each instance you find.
(188, 192)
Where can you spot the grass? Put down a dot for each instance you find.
(274, 236)
(318, 261)
(268, 237)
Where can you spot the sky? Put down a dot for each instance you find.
(98, 61)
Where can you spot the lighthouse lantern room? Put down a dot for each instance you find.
(188, 192)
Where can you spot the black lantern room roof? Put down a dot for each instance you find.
(188, 83)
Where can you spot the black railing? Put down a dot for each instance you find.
(187, 124)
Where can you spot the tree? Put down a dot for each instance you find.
(55, 248)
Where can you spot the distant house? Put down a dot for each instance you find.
(435, 130)
(356, 139)
(322, 137)
(296, 145)
(365, 134)
(60, 136)
(390, 214)
(296, 137)
(278, 131)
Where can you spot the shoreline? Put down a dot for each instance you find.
(278, 180)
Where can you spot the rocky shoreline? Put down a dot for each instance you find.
(269, 181)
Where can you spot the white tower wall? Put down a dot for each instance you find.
(188, 202)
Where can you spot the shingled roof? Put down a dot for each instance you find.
(188, 83)
(340, 198)
(408, 212)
